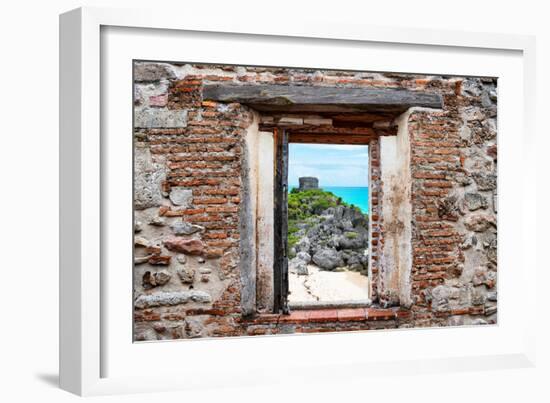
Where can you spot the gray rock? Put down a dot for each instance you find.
(356, 260)
(440, 296)
(472, 113)
(463, 179)
(492, 250)
(352, 240)
(185, 228)
(472, 86)
(138, 98)
(155, 279)
(485, 181)
(304, 256)
(298, 266)
(171, 298)
(492, 296)
(182, 259)
(478, 297)
(157, 221)
(186, 275)
(480, 275)
(469, 241)
(181, 196)
(475, 201)
(138, 226)
(151, 118)
(193, 327)
(328, 259)
(147, 180)
(346, 225)
(479, 222)
(150, 72)
(448, 208)
(486, 101)
(490, 310)
(303, 245)
(201, 296)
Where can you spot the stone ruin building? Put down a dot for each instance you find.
(308, 182)
(211, 143)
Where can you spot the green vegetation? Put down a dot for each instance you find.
(306, 203)
(305, 207)
(351, 235)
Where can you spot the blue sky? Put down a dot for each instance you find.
(333, 164)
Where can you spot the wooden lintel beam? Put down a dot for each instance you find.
(348, 131)
(320, 99)
(328, 138)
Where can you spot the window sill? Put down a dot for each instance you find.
(295, 306)
(333, 315)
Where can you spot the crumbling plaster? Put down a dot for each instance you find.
(396, 252)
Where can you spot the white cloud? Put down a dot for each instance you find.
(333, 164)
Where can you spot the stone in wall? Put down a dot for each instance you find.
(172, 298)
(155, 279)
(187, 275)
(475, 201)
(151, 72)
(185, 228)
(159, 118)
(181, 196)
(187, 246)
(148, 177)
(479, 222)
(485, 181)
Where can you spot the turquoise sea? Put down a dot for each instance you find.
(358, 196)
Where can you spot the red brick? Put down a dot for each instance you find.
(295, 316)
(356, 314)
(323, 315)
(209, 200)
(380, 314)
(146, 316)
(158, 100)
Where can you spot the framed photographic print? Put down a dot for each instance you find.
(282, 199)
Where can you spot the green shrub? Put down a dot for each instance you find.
(292, 241)
(303, 204)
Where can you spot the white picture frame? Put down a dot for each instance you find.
(85, 306)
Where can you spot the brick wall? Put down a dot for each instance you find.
(375, 214)
(188, 190)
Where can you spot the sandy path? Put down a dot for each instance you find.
(327, 286)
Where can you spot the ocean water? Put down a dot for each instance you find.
(358, 196)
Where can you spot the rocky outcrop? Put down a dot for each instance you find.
(336, 238)
(299, 263)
